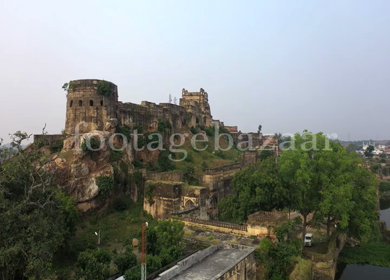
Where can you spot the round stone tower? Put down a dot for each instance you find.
(91, 101)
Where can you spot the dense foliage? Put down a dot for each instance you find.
(105, 185)
(376, 253)
(318, 177)
(37, 218)
(93, 264)
(105, 88)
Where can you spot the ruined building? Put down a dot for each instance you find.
(95, 102)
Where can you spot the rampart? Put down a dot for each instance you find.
(95, 102)
(48, 139)
(244, 229)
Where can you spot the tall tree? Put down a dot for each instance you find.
(257, 188)
(36, 216)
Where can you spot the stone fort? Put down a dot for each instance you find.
(96, 103)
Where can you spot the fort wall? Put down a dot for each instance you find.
(95, 103)
(85, 104)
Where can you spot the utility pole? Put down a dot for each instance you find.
(144, 250)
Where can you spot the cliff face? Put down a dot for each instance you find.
(78, 171)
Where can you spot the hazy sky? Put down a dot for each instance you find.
(287, 65)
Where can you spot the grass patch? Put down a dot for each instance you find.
(375, 253)
(302, 270)
(211, 157)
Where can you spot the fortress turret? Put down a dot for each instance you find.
(91, 101)
(197, 103)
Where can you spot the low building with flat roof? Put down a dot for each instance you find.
(224, 261)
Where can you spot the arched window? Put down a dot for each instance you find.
(90, 102)
(80, 103)
(71, 103)
(101, 103)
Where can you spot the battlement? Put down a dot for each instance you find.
(201, 92)
(95, 102)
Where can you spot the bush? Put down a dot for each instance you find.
(126, 261)
(189, 176)
(169, 255)
(193, 130)
(164, 125)
(164, 163)
(57, 146)
(94, 144)
(105, 88)
(189, 158)
(105, 185)
(138, 164)
(121, 204)
(138, 178)
(116, 155)
(149, 193)
(133, 273)
(126, 131)
(154, 263)
(220, 154)
(205, 166)
(265, 154)
(155, 139)
(209, 130)
(384, 186)
(93, 264)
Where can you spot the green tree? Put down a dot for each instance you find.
(300, 174)
(266, 153)
(170, 233)
(257, 188)
(37, 218)
(154, 263)
(351, 148)
(368, 151)
(133, 273)
(125, 261)
(93, 264)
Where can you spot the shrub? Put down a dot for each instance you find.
(125, 261)
(209, 130)
(105, 185)
(189, 158)
(384, 186)
(164, 163)
(205, 166)
(220, 154)
(154, 263)
(164, 125)
(94, 144)
(189, 176)
(105, 88)
(57, 146)
(138, 178)
(121, 204)
(93, 264)
(265, 154)
(138, 163)
(126, 131)
(193, 130)
(149, 193)
(155, 140)
(133, 273)
(116, 155)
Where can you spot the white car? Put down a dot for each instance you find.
(308, 240)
